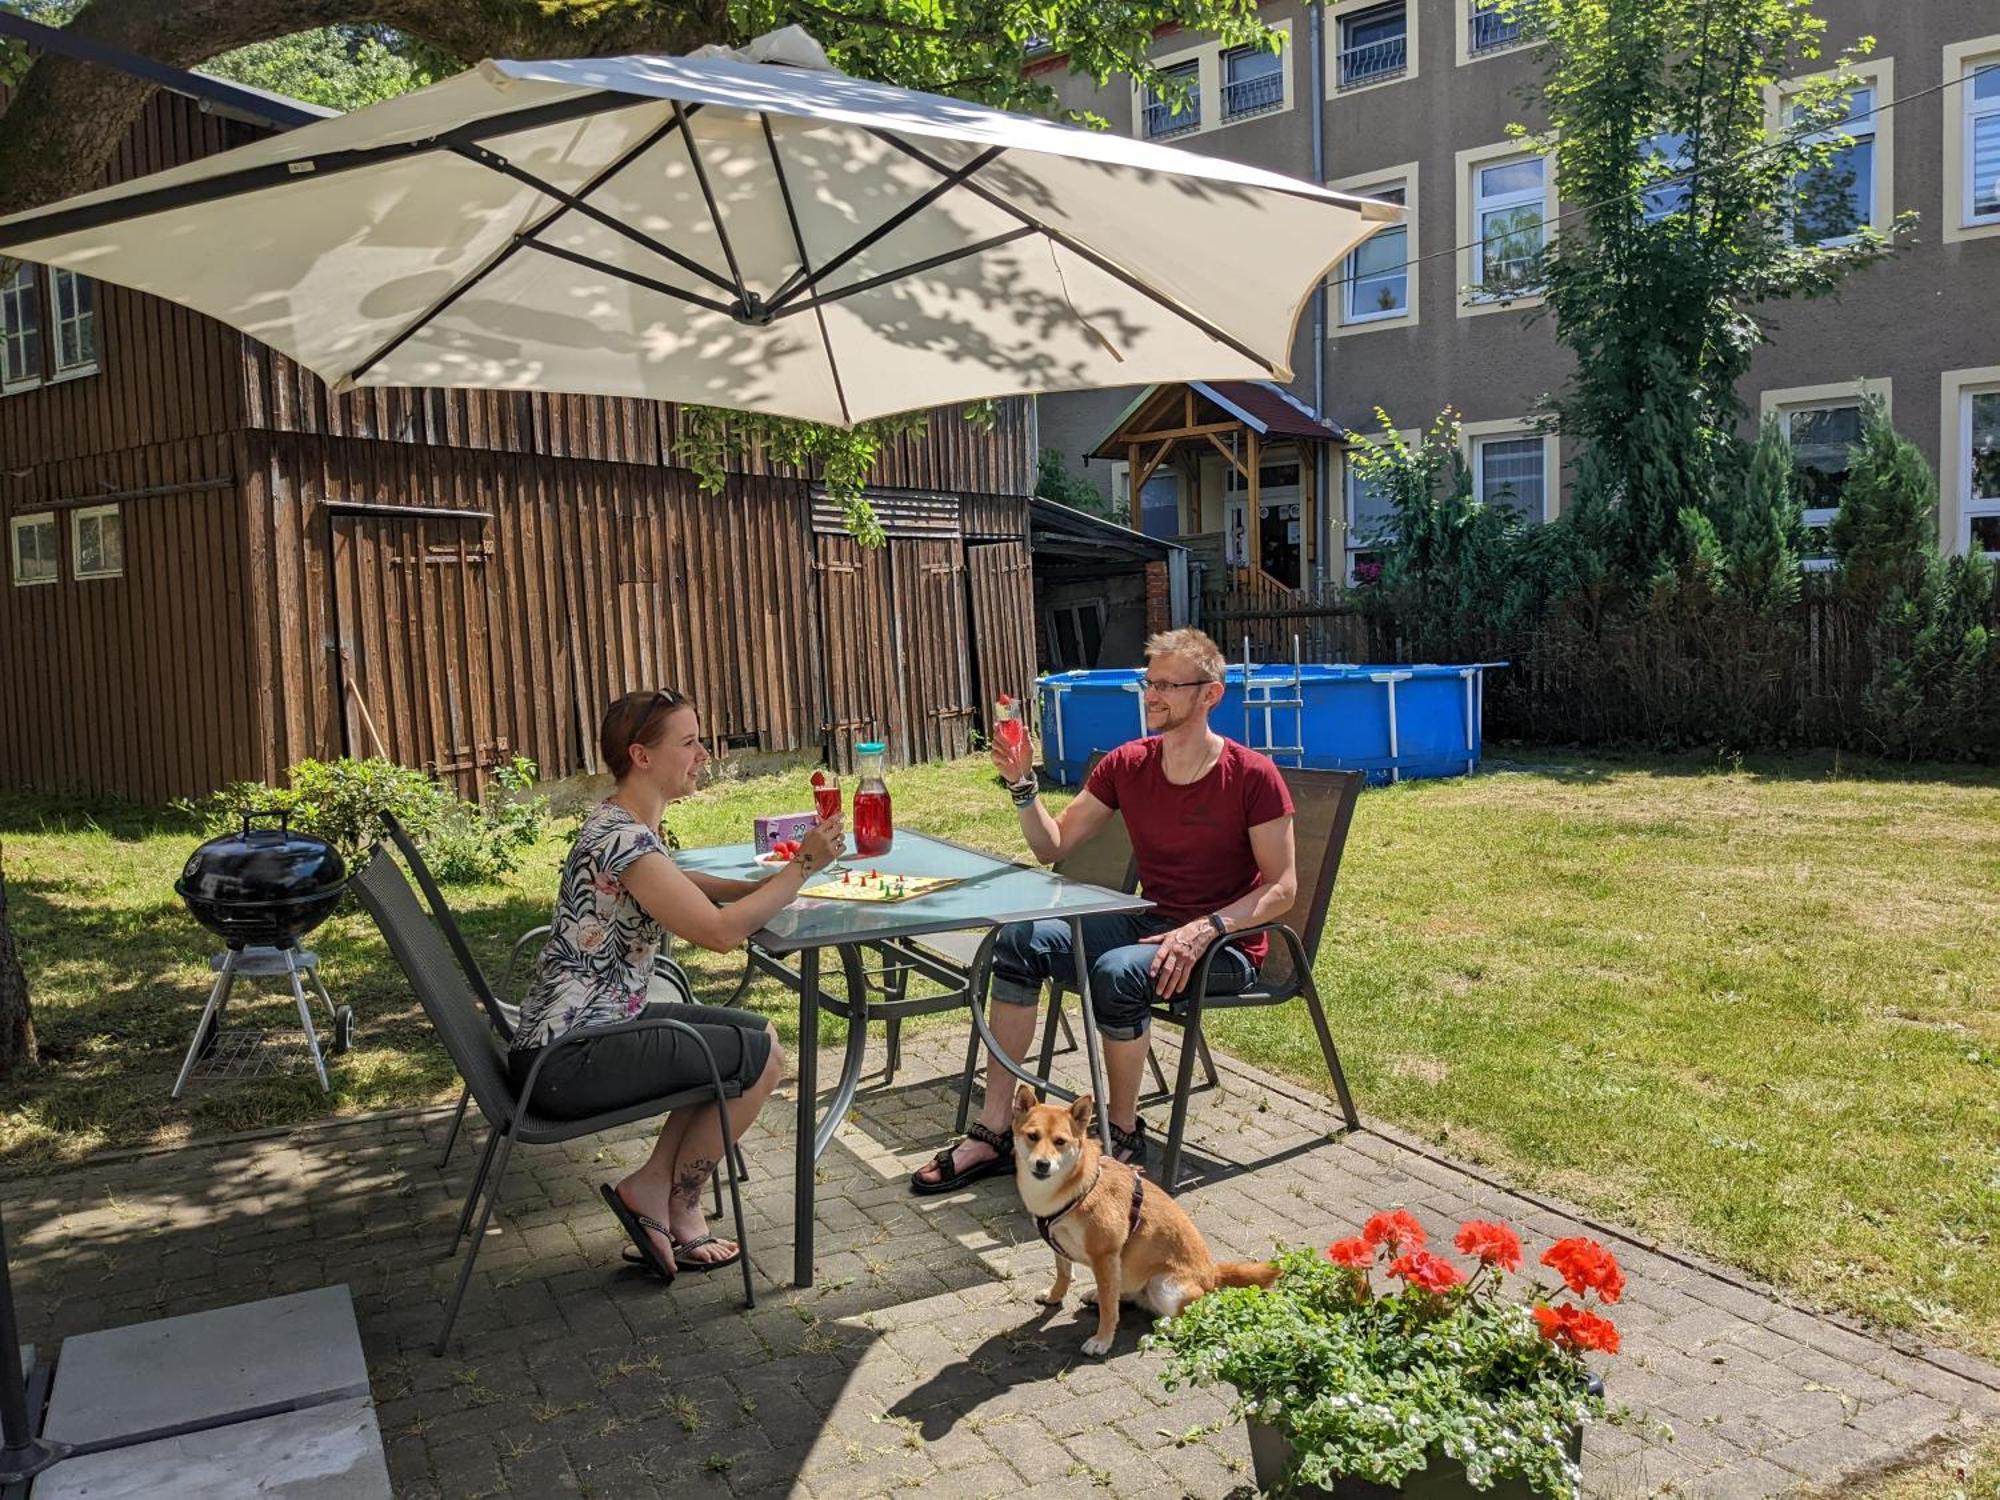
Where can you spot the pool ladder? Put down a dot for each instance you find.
(1269, 703)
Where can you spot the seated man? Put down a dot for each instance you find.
(1211, 826)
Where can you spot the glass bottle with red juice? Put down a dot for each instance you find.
(1007, 731)
(874, 819)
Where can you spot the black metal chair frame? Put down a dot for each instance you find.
(476, 1052)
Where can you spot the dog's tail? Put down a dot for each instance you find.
(1246, 1273)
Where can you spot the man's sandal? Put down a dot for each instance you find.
(1129, 1146)
(948, 1181)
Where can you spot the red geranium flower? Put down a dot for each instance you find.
(1586, 1266)
(1577, 1327)
(1431, 1272)
(1355, 1252)
(1490, 1244)
(1397, 1230)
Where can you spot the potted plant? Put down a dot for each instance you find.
(1429, 1383)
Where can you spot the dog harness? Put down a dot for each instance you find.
(1045, 1223)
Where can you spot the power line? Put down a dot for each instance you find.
(1722, 168)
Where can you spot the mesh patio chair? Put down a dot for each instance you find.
(427, 950)
(503, 1008)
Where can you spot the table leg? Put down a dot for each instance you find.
(807, 1152)
(857, 1047)
(1092, 1051)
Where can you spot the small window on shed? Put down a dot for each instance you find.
(100, 542)
(32, 545)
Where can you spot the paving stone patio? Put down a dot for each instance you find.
(919, 1360)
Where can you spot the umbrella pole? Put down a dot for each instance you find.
(24, 1455)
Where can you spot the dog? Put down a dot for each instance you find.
(1139, 1243)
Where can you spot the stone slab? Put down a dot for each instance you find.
(329, 1452)
(152, 1379)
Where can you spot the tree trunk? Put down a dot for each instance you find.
(17, 1023)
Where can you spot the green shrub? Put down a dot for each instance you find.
(342, 802)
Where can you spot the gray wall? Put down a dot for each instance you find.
(1934, 307)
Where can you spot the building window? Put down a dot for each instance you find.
(1487, 30)
(1665, 157)
(1509, 204)
(100, 543)
(20, 330)
(1075, 634)
(1822, 439)
(1253, 82)
(32, 542)
(1374, 46)
(1979, 468)
(75, 300)
(1982, 143)
(1163, 117)
(1160, 506)
(1371, 526)
(1511, 472)
(1376, 276)
(1834, 202)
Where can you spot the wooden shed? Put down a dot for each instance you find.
(215, 568)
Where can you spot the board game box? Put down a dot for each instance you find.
(873, 885)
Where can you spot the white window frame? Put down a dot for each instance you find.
(15, 526)
(1782, 401)
(60, 276)
(31, 294)
(1961, 61)
(1463, 45)
(1472, 302)
(1472, 436)
(1958, 509)
(1365, 185)
(1207, 91)
(94, 513)
(1340, 11)
(1349, 546)
(1879, 74)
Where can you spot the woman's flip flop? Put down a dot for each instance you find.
(681, 1248)
(635, 1225)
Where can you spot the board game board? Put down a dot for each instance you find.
(873, 885)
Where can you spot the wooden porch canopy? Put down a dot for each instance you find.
(1239, 419)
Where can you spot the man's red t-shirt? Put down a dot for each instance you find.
(1193, 842)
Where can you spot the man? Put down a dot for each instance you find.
(1211, 826)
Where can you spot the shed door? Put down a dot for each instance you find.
(859, 647)
(931, 641)
(413, 618)
(1001, 583)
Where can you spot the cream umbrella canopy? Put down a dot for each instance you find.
(748, 230)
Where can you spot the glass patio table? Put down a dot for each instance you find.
(989, 893)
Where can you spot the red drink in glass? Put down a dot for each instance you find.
(1007, 731)
(826, 799)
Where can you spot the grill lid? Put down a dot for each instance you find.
(262, 867)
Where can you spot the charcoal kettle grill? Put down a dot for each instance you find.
(261, 889)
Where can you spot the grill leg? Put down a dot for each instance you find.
(478, 1235)
(218, 997)
(306, 1021)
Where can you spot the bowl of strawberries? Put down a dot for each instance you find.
(780, 854)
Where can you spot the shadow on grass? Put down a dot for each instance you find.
(1605, 767)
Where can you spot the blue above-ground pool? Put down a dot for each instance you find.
(1393, 722)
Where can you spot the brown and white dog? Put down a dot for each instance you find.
(1140, 1245)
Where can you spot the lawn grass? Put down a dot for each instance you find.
(1746, 1008)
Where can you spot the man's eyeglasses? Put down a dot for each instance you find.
(1155, 685)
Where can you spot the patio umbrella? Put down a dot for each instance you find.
(750, 230)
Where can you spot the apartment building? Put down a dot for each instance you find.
(1412, 100)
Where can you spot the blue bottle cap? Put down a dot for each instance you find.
(870, 747)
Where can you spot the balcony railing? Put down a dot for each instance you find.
(1489, 31)
(1162, 119)
(1252, 96)
(1373, 61)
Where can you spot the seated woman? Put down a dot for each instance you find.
(620, 892)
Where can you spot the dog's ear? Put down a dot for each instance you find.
(1083, 1111)
(1024, 1100)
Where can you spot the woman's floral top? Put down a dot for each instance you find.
(594, 967)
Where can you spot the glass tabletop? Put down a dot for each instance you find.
(989, 891)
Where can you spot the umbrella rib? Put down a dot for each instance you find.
(805, 264)
(943, 258)
(506, 251)
(235, 184)
(714, 209)
(799, 282)
(665, 289)
(493, 161)
(1076, 247)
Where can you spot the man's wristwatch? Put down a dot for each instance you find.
(1216, 921)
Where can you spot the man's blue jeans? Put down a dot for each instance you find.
(1028, 954)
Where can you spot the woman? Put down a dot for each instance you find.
(620, 892)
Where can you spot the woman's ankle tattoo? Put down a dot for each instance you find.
(689, 1181)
